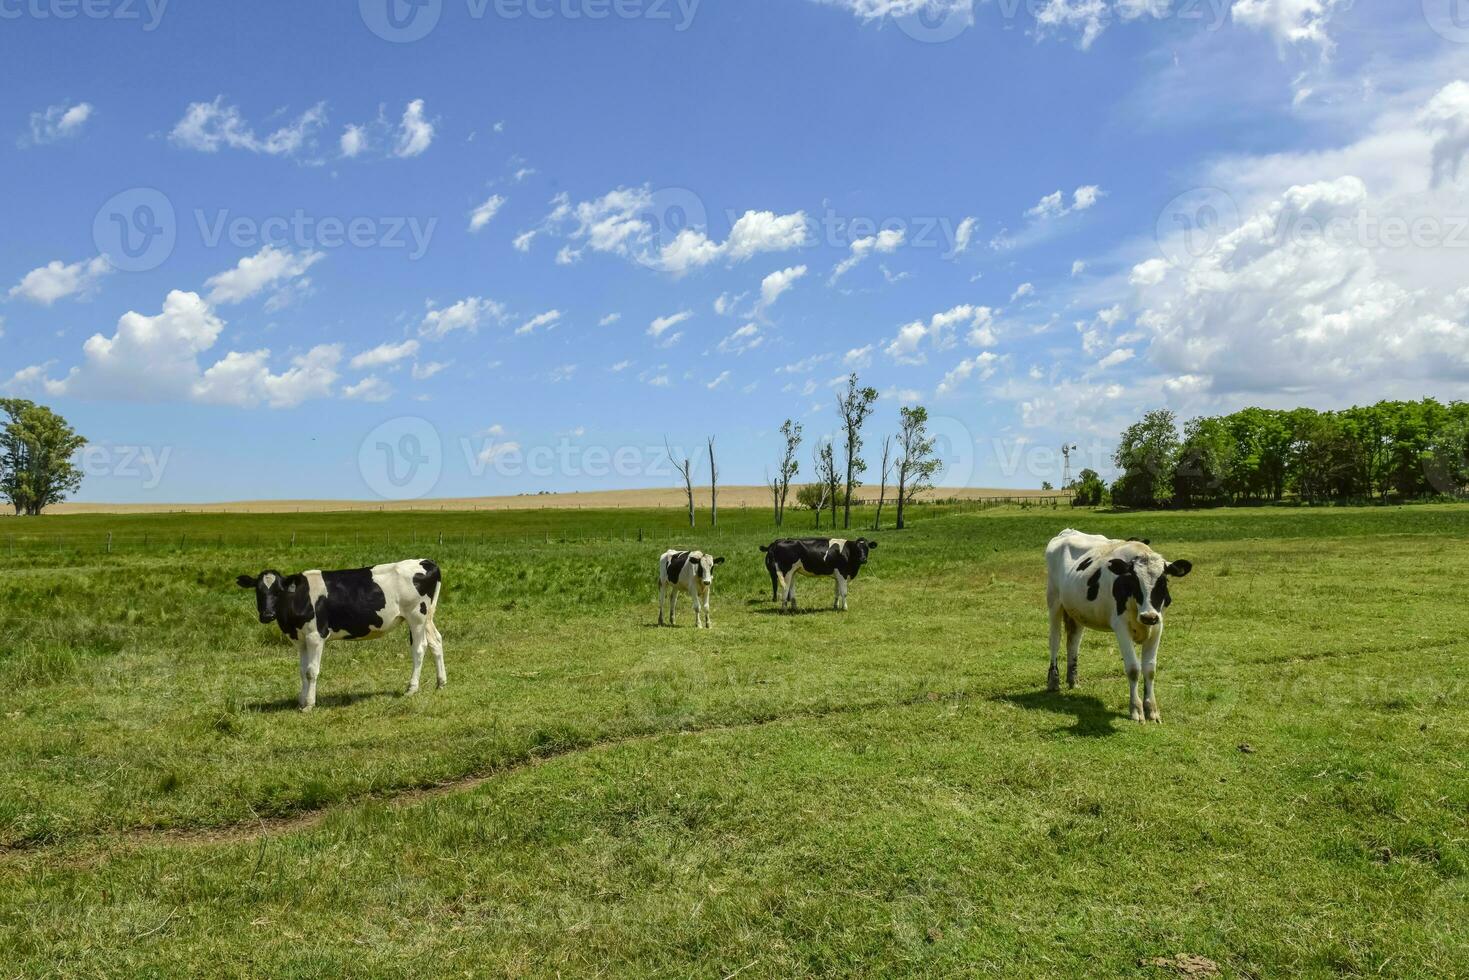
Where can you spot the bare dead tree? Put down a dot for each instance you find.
(855, 406)
(882, 494)
(829, 477)
(713, 487)
(917, 463)
(685, 469)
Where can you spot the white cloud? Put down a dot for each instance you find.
(257, 272)
(57, 280)
(884, 242)
(369, 389)
(754, 233)
(548, 320)
(773, 286)
(210, 126)
(620, 366)
(354, 141)
(609, 319)
(1119, 356)
(467, 314)
(385, 354)
(57, 122)
(425, 370)
(562, 374)
(245, 380)
(415, 132)
(804, 366)
(568, 255)
(981, 365)
(858, 357)
(1077, 268)
(717, 382)
(496, 450)
(483, 214)
(523, 241)
(1023, 290)
(744, 339)
(1053, 205)
(1288, 21)
(1446, 116)
(938, 333)
(964, 235)
(663, 324)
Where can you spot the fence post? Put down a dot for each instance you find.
(293, 539)
(109, 542)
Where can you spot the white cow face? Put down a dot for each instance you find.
(705, 571)
(1144, 579)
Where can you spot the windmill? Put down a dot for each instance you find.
(1066, 451)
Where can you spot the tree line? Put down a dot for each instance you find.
(1390, 450)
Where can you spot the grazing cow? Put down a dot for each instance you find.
(836, 557)
(691, 570)
(361, 604)
(1093, 582)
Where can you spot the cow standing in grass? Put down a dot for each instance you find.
(689, 570)
(840, 559)
(365, 603)
(1094, 582)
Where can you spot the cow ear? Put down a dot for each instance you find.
(1119, 567)
(719, 561)
(245, 582)
(1180, 568)
(871, 544)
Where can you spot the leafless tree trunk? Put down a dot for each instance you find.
(887, 452)
(713, 487)
(854, 407)
(789, 467)
(686, 470)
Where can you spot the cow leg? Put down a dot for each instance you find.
(841, 599)
(311, 645)
(1073, 649)
(672, 602)
(1150, 667)
(707, 625)
(698, 605)
(1053, 677)
(418, 638)
(662, 598)
(774, 584)
(1134, 670)
(436, 643)
(790, 591)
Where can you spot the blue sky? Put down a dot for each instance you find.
(287, 250)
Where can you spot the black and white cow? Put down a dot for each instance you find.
(836, 557)
(770, 561)
(1099, 583)
(690, 570)
(361, 604)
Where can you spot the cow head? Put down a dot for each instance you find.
(705, 571)
(270, 590)
(1142, 575)
(857, 553)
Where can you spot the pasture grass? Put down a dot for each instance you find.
(888, 791)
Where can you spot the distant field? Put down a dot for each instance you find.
(729, 497)
(884, 792)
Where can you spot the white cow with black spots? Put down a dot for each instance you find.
(692, 571)
(1094, 582)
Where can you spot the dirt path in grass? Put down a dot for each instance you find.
(98, 847)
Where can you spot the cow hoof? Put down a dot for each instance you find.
(412, 690)
(1137, 715)
(1157, 719)
(307, 708)
(1053, 681)
(441, 685)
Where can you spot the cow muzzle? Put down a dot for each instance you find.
(1149, 618)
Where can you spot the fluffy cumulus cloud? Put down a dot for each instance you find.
(1054, 205)
(777, 284)
(369, 389)
(385, 354)
(981, 366)
(56, 123)
(156, 358)
(1289, 21)
(269, 268)
(661, 329)
(915, 340)
(58, 280)
(211, 126)
(884, 242)
(622, 222)
(1446, 117)
(467, 315)
(415, 131)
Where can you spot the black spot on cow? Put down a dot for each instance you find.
(1094, 586)
(1160, 598)
(427, 582)
(676, 562)
(423, 608)
(1126, 586)
(1085, 564)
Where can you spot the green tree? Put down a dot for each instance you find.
(1088, 489)
(1204, 462)
(1146, 455)
(917, 465)
(855, 406)
(36, 449)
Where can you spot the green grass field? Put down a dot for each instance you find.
(884, 792)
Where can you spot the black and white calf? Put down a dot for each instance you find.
(360, 604)
(836, 557)
(1099, 583)
(690, 570)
